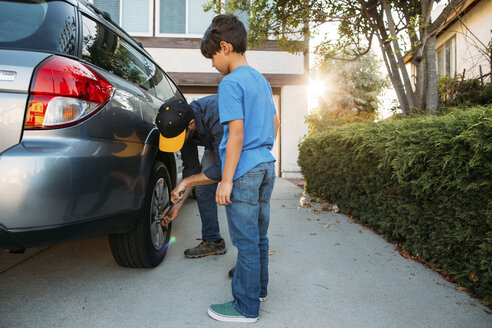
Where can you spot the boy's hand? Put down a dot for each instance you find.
(223, 194)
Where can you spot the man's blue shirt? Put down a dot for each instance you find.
(244, 94)
(208, 134)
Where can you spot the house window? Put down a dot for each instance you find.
(185, 17)
(172, 17)
(446, 58)
(135, 16)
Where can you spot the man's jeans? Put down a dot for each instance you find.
(248, 217)
(205, 197)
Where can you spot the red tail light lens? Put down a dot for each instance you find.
(65, 92)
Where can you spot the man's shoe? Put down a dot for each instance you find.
(207, 248)
(227, 313)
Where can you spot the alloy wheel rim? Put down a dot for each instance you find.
(160, 199)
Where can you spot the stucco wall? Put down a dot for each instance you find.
(293, 129)
(191, 60)
(478, 22)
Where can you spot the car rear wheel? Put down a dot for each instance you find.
(146, 245)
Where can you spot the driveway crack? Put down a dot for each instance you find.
(25, 260)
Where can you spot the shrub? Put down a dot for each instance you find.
(423, 182)
(457, 91)
(321, 119)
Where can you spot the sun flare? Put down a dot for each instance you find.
(316, 89)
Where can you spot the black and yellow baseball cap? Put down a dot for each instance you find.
(172, 121)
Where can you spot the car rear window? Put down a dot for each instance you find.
(105, 49)
(38, 25)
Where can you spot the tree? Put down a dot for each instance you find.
(399, 26)
(352, 92)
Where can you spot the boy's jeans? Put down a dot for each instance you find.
(248, 217)
(205, 198)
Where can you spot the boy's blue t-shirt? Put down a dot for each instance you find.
(244, 94)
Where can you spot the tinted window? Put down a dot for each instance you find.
(162, 87)
(105, 49)
(38, 25)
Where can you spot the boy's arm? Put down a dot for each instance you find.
(233, 152)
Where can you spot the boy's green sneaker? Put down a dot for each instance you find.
(227, 313)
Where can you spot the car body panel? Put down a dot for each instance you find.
(18, 67)
(125, 111)
(47, 181)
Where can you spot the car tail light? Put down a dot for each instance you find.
(64, 92)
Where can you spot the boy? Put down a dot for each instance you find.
(248, 114)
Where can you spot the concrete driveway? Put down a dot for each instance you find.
(325, 272)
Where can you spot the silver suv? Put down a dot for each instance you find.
(79, 152)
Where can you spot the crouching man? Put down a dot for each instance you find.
(186, 127)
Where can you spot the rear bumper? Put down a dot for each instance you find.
(25, 238)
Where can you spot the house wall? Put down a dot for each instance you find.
(477, 22)
(191, 60)
(292, 127)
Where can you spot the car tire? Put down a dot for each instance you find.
(146, 245)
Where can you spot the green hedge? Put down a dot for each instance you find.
(424, 182)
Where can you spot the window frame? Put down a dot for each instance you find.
(173, 35)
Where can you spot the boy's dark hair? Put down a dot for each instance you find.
(226, 28)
